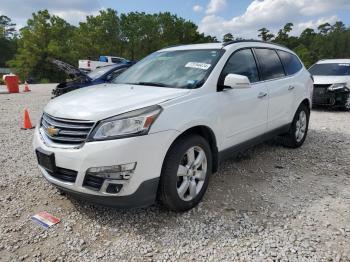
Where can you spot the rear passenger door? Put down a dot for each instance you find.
(281, 95)
(243, 112)
(292, 67)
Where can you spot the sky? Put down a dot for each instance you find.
(242, 18)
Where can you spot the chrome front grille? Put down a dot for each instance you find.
(65, 131)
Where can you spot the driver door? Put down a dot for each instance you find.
(243, 112)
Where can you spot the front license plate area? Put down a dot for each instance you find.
(46, 159)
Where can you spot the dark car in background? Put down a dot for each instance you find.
(331, 83)
(79, 79)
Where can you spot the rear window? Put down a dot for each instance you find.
(290, 62)
(331, 69)
(117, 60)
(270, 64)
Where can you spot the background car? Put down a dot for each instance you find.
(81, 79)
(332, 83)
(91, 65)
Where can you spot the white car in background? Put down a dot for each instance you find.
(331, 83)
(91, 65)
(162, 128)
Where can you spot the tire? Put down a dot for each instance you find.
(347, 104)
(293, 138)
(61, 192)
(178, 161)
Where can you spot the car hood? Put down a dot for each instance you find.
(70, 70)
(328, 80)
(106, 100)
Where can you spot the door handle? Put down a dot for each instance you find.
(291, 88)
(262, 95)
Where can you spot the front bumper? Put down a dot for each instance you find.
(144, 196)
(140, 190)
(329, 98)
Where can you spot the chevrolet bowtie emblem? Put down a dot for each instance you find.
(53, 131)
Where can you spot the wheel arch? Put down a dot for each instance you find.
(307, 103)
(208, 134)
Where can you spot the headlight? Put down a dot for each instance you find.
(134, 123)
(337, 87)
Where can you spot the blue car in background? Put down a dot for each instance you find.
(81, 79)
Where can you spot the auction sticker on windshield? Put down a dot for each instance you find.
(197, 65)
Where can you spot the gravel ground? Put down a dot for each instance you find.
(270, 204)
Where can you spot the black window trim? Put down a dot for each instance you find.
(252, 48)
(301, 63)
(284, 69)
(259, 64)
(218, 87)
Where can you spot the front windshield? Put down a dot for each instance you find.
(99, 72)
(177, 69)
(334, 69)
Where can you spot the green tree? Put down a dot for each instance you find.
(7, 28)
(45, 36)
(305, 55)
(265, 34)
(133, 35)
(99, 35)
(339, 26)
(330, 41)
(227, 37)
(283, 34)
(324, 28)
(307, 36)
(7, 40)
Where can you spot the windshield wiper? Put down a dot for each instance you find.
(150, 84)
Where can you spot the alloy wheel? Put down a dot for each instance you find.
(191, 173)
(301, 126)
(347, 103)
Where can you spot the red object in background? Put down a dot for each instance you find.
(12, 83)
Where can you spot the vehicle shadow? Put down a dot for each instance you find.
(265, 183)
(328, 109)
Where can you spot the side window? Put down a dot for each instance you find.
(290, 62)
(116, 60)
(270, 63)
(241, 63)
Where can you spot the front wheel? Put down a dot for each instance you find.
(185, 173)
(298, 129)
(347, 103)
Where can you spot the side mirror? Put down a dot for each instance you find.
(237, 81)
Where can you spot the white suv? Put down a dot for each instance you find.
(162, 128)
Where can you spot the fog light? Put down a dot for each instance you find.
(122, 172)
(114, 188)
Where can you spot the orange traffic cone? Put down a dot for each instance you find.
(27, 123)
(26, 87)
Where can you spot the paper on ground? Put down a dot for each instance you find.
(45, 219)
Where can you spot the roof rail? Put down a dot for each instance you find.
(247, 41)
